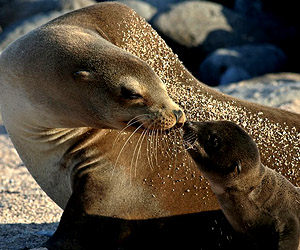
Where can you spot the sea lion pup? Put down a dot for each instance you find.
(256, 200)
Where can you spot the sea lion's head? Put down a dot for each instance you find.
(72, 77)
(222, 150)
(131, 92)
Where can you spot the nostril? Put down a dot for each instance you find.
(178, 114)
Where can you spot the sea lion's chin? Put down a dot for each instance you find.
(198, 155)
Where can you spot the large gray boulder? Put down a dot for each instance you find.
(12, 11)
(193, 29)
(21, 28)
(158, 4)
(163, 4)
(206, 24)
(281, 90)
(22, 16)
(144, 9)
(238, 63)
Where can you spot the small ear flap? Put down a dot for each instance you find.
(82, 75)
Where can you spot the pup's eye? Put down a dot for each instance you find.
(235, 167)
(129, 94)
(213, 141)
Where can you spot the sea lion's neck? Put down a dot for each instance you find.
(240, 184)
(264, 191)
(58, 151)
(259, 195)
(48, 143)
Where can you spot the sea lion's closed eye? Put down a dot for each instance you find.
(81, 75)
(130, 94)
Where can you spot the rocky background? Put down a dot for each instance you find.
(245, 48)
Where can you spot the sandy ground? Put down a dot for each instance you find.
(27, 214)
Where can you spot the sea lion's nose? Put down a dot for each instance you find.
(179, 115)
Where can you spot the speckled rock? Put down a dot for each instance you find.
(193, 29)
(280, 90)
(234, 74)
(208, 24)
(144, 9)
(158, 4)
(16, 10)
(21, 28)
(238, 63)
(24, 236)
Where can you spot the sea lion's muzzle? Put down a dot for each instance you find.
(164, 120)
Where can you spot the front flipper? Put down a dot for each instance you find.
(289, 235)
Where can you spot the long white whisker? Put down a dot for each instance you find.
(175, 149)
(166, 145)
(127, 126)
(189, 142)
(182, 146)
(149, 141)
(133, 155)
(162, 142)
(124, 147)
(156, 147)
(139, 151)
(134, 118)
(180, 138)
(147, 150)
(189, 137)
(152, 153)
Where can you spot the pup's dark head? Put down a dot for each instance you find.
(221, 148)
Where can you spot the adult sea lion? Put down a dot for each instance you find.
(257, 201)
(68, 80)
(111, 177)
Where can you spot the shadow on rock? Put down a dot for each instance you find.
(2, 130)
(25, 236)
